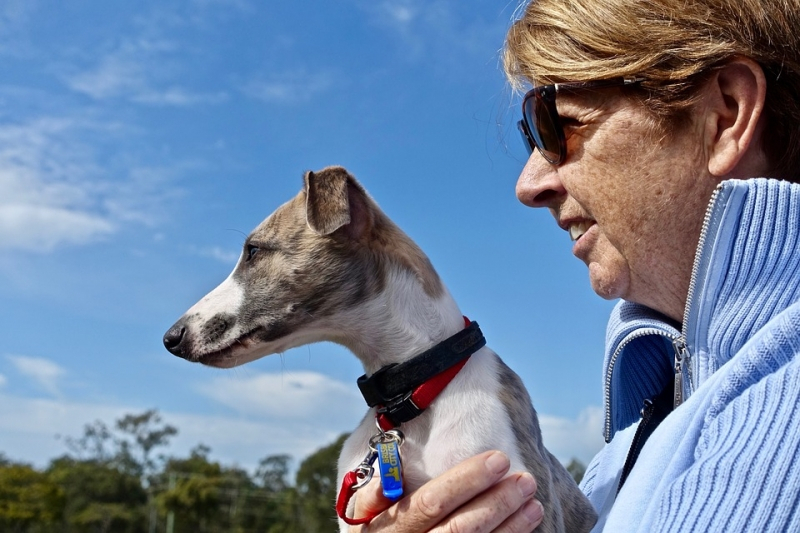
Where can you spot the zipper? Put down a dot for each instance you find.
(643, 332)
(683, 379)
(684, 383)
(682, 356)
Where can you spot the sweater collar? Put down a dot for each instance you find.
(746, 271)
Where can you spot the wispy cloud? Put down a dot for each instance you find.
(240, 5)
(296, 395)
(42, 202)
(55, 191)
(229, 257)
(3, 380)
(44, 372)
(177, 96)
(435, 30)
(580, 438)
(28, 427)
(14, 15)
(137, 71)
(115, 75)
(289, 87)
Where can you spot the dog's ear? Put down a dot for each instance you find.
(334, 199)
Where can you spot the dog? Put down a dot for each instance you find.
(329, 265)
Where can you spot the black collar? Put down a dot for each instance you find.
(392, 386)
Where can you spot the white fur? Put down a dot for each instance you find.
(227, 297)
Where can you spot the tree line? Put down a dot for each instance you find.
(112, 479)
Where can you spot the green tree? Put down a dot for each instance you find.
(576, 469)
(99, 497)
(29, 500)
(193, 497)
(96, 443)
(273, 501)
(141, 434)
(316, 489)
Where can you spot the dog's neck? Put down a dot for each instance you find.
(399, 323)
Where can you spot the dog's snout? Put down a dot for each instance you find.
(173, 339)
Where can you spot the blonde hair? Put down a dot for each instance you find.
(672, 44)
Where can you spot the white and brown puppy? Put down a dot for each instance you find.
(330, 266)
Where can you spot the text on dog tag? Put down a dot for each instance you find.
(391, 469)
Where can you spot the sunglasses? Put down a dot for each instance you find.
(540, 125)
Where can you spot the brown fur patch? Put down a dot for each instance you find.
(333, 195)
(327, 205)
(569, 506)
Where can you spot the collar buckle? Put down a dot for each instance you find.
(401, 409)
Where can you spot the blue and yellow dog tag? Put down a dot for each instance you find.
(391, 469)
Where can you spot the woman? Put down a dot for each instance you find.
(652, 128)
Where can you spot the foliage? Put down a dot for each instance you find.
(576, 469)
(29, 500)
(316, 487)
(147, 433)
(99, 497)
(113, 480)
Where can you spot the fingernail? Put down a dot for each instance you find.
(498, 463)
(526, 485)
(533, 511)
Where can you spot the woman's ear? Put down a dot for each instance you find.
(733, 103)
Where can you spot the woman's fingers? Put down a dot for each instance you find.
(507, 507)
(467, 497)
(525, 520)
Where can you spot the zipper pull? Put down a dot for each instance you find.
(681, 355)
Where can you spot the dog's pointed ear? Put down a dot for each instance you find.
(334, 200)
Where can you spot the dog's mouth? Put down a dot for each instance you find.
(238, 352)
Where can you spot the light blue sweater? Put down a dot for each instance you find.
(727, 459)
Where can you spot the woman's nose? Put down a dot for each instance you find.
(539, 184)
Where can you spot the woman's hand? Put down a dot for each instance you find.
(470, 497)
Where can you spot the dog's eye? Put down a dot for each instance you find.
(250, 252)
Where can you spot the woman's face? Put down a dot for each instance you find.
(631, 199)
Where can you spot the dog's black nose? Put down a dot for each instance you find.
(173, 339)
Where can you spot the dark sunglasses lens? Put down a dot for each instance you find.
(543, 127)
(527, 140)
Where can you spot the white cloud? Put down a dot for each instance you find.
(113, 76)
(308, 396)
(229, 257)
(43, 202)
(29, 427)
(126, 76)
(240, 5)
(580, 438)
(139, 70)
(177, 96)
(288, 395)
(41, 228)
(14, 15)
(54, 191)
(276, 416)
(289, 87)
(3, 380)
(43, 371)
(400, 13)
(436, 31)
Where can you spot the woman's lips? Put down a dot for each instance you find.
(577, 229)
(583, 234)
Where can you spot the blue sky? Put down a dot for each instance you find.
(140, 141)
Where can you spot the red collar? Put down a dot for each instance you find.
(401, 392)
